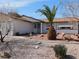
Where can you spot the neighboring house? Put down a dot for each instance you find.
(66, 25)
(19, 24)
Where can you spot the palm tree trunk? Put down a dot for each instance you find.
(51, 32)
(51, 24)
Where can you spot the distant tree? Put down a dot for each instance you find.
(71, 9)
(14, 14)
(3, 36)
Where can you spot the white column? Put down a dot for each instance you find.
(11, 28)
(41, 28)
(11, 32)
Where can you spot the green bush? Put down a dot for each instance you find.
(60, 51)
(17, 33)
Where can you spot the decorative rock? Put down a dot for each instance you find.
(67, 37)
(74, 37)
(42, 35)
(30, 34)
(30, 37)
(38, 43)
(60, 36)
(5, 55)
(36, 47)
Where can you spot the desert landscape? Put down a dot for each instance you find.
(60, 36)
(39, 29)
(36, 47)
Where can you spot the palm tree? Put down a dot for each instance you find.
(50, 15)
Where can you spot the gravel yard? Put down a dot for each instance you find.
(25, 48)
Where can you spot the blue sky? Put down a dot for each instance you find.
(29, 7)
(30, 10)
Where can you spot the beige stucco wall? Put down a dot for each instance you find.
(22, 27)
(17, 25)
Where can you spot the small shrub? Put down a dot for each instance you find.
(60, 51)
(17, 34)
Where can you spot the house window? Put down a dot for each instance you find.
(65, 27)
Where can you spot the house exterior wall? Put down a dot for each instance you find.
(22, 27)
(74, 29)
(17, 25)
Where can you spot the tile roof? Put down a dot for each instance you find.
(20, 17)
(68, 19)
(30, 19)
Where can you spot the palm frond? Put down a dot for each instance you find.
(44, 12)
(50, 14)
(53, 12)
(47, 9)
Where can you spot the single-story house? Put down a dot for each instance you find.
(24, 24)
(66, 25)
(18, 24)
